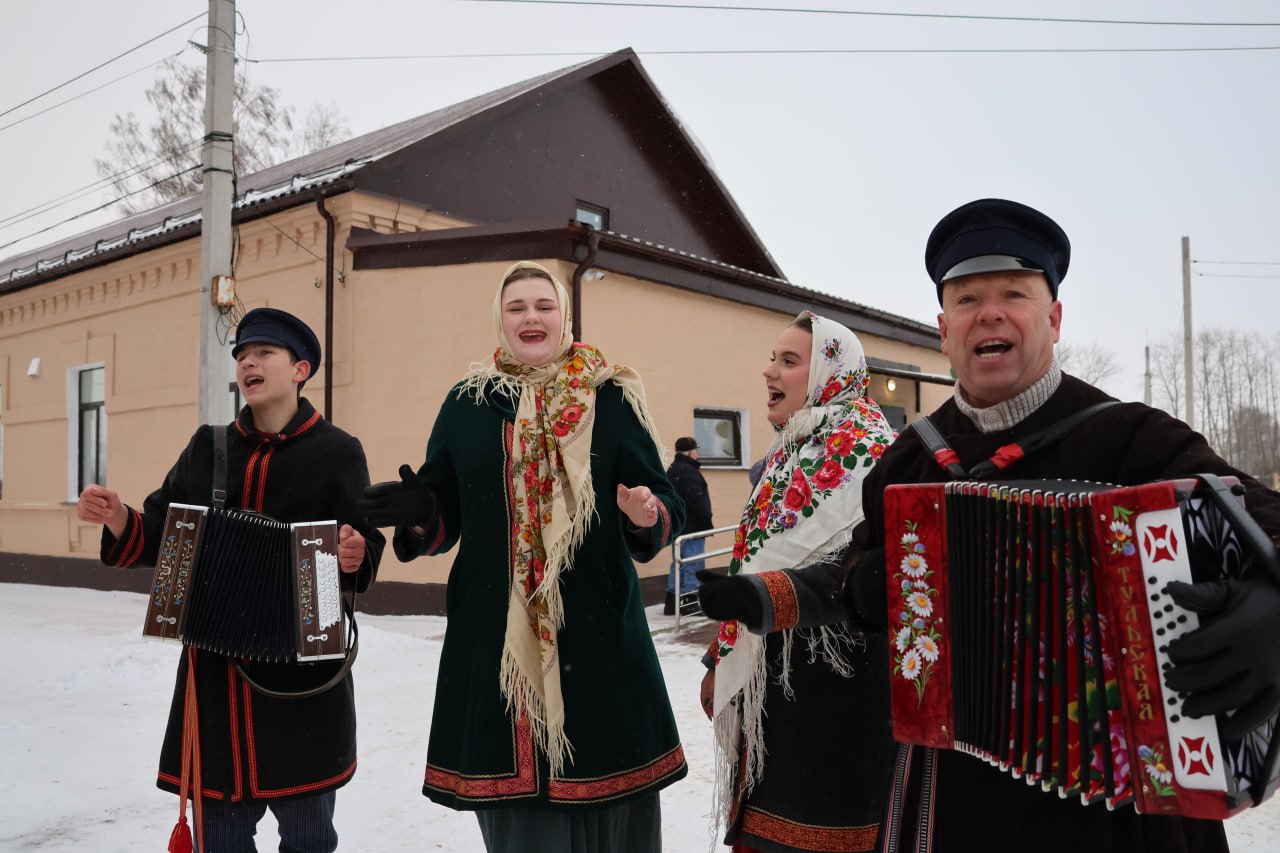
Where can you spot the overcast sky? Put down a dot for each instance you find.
(842, 160)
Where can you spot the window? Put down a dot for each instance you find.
(719, 436)
(92, 423)
(895, 415)
(592, 214)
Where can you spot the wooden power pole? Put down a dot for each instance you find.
(217, 288)
(1186, 331)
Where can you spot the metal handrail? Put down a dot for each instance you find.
(677, 557)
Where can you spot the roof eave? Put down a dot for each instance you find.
(629, 256)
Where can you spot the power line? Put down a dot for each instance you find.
(101, 206)
(89, 91)
(779, 52)
(132, 171)
(1243, 263)
(938, 16)
(102, 64)
(1232, 275)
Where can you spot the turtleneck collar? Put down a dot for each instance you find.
(1013, 411)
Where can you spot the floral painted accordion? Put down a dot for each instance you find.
(1029, 627)
(248, 586)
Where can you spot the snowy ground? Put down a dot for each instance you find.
(86, 699)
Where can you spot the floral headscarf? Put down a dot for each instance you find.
(554, 502)
(802, 511)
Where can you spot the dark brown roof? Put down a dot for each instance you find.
(364, 159)
(292, 177)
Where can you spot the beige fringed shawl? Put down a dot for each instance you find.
(554, 503)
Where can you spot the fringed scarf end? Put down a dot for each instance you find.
(523, 701)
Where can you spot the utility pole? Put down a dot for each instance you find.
(217, 288)
(1186, 331)
(1146, 376)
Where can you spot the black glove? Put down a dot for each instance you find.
(864, 588)
(399, 503)
(723, 597)
(1232, 661)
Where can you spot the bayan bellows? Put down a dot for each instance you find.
(248, 586)
(1029, 627)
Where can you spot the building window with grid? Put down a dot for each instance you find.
(719, 436)
(92, 427)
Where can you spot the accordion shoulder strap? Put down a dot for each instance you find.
(219, 465)
(333, 681)
(937, 445)
(1004, 456)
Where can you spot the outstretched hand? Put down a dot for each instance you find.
(639, 505)
(1231, 663)
(100, 505)
(406, 502)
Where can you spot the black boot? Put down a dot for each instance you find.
(669, 606)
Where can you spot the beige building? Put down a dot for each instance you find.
(390, 245)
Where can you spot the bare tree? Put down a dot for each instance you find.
(1237, 385)
(1090, 362)
(1167, 385)
(160, 162)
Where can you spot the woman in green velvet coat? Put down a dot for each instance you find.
(551, 717)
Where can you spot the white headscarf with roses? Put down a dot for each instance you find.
(802, 511)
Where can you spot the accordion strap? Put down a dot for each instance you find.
(329, 684)
(219, 466)
(1004, 456)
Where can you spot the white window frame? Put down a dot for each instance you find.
(744, 438)
(73, 424)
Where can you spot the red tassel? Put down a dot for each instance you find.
(180, 840)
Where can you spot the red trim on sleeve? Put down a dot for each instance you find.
(665, 517)
(435, 543)
(786, 609)
(137, 539)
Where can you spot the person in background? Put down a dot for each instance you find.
(551, 717)
(691, 486)
(803, 758)
(257, 751)
(997, 266)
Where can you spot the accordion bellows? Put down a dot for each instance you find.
(1029, 627)
(247, 586)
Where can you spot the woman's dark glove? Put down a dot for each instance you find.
(865, 589)
(406, 502)
(1232, 661)
(726, 598)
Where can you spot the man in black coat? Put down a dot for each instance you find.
(997, 266)
(691, 486)
(255, 750)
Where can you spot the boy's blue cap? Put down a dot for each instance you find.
(993, 234)
(273, 326)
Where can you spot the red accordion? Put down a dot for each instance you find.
(1029, 627)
